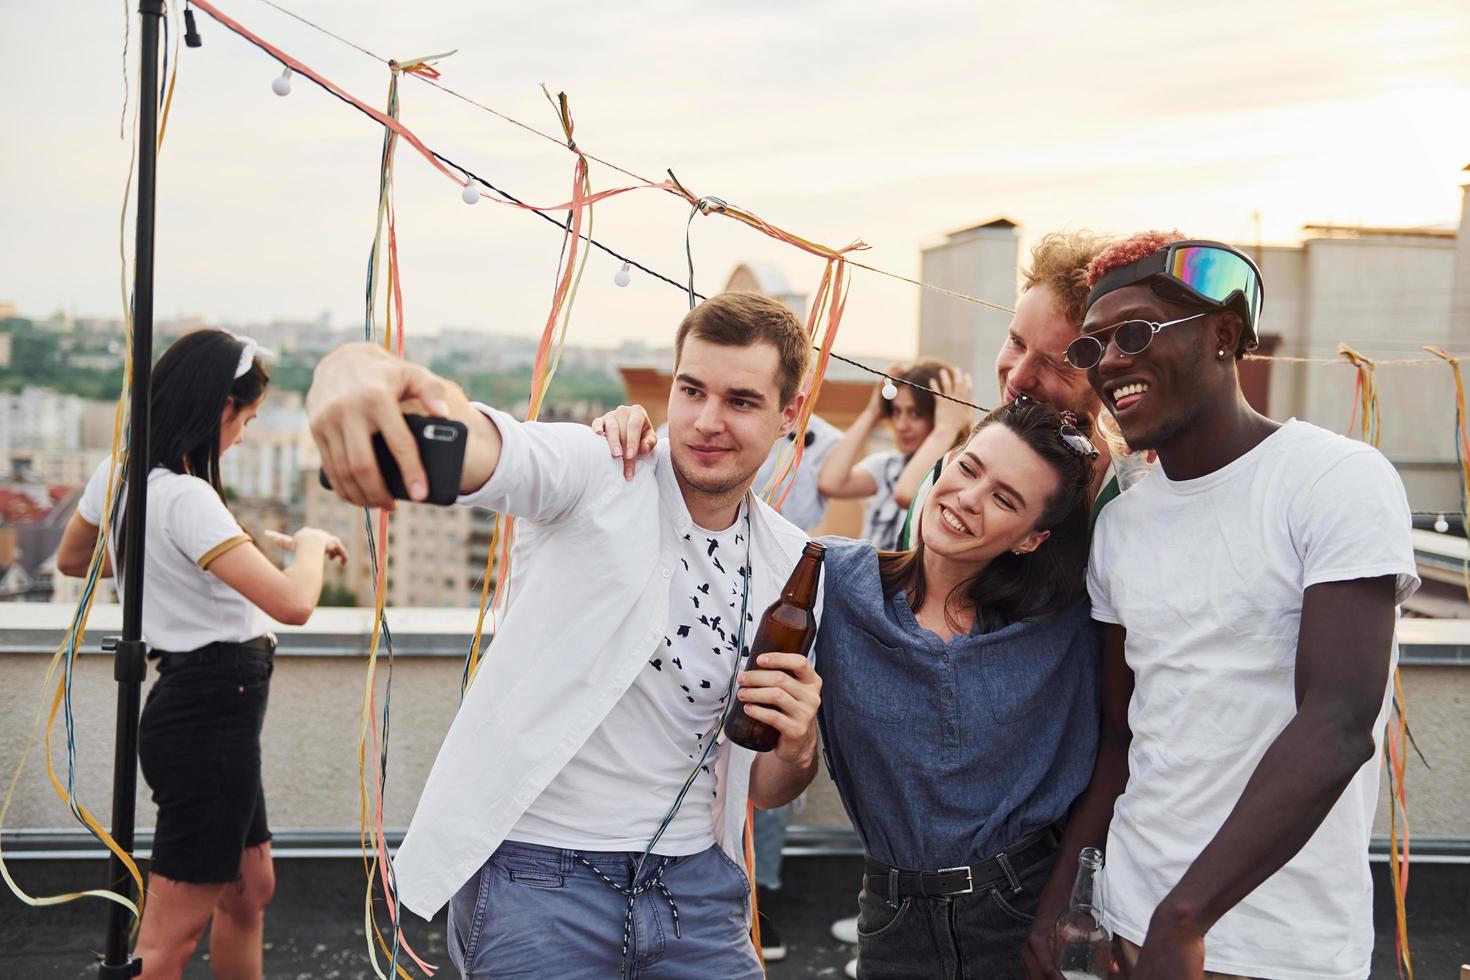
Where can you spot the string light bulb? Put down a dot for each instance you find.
(471, 192)
(281, 84)
(890, 390)
(622, 276)
(1441, 525)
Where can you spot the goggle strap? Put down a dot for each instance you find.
(1126, 275)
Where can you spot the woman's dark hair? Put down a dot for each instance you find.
(925, 374)
(1033, 586)
(192, 383)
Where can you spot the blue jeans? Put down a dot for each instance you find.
(535, 911)
(770, 837)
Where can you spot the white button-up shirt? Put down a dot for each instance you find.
(589, 600)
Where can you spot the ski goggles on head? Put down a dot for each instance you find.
(1208, 273)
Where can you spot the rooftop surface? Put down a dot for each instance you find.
(314, 926)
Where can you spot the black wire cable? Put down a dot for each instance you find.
(566, 227)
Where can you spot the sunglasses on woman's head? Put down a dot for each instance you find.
(1074, 440)
(1131, 337)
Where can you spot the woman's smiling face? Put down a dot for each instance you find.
(988, 499)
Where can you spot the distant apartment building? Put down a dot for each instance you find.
(41, 438)
(436, 555)
(277, 449)
(40, 420)
(1385, 292)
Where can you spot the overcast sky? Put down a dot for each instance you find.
(892, 122)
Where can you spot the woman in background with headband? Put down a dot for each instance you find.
(208, 597)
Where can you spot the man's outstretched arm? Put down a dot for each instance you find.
(359, 390)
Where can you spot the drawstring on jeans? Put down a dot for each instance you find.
(655, 880)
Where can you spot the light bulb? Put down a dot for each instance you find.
(621, 277)
(890, 390)
(1441, 525)
(281, 84)
(471, 192)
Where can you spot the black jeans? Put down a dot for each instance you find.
(978, 936)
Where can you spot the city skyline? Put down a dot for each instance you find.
(909, 122)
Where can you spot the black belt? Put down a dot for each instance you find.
(260, 646)
(896, 883)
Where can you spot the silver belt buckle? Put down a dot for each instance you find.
(969, 878)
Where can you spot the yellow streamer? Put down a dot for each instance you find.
(1396, 743)
(1365, 394)
(1462, 451)
(548, 357)
(77, 634)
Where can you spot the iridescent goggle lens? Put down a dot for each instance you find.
(1215, 274)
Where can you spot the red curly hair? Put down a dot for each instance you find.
(1130, 249)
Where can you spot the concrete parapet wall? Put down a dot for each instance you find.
(312, 730)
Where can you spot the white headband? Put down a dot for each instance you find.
(249, 348)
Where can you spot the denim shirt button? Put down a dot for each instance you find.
(949, 694)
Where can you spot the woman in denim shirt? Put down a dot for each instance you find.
(959, 702)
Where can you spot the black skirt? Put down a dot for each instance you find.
(199, 748)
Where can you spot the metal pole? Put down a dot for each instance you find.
(130, 660)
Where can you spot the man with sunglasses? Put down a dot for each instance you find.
(1249, 587)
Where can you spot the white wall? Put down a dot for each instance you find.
(1386, 297)
(979, 262)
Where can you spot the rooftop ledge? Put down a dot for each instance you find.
(333, 631)
(37, 628)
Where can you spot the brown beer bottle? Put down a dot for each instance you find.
(788, 626)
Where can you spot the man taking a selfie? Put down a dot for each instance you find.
(583, 791)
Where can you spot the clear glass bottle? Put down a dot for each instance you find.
(1082, 944)
(1131, 467)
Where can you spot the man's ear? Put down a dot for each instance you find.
(1230, 332)
(792, 412)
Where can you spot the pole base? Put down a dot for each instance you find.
(122, 971)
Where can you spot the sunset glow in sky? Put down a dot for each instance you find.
(891, 122)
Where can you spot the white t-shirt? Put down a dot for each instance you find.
(188, 526)
(616, 790)
(804, 505)
(1207, 577)
(884, 520)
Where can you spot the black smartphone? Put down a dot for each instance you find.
(441, 445)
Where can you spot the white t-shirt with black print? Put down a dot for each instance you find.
(884, 521)
(616, 790)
